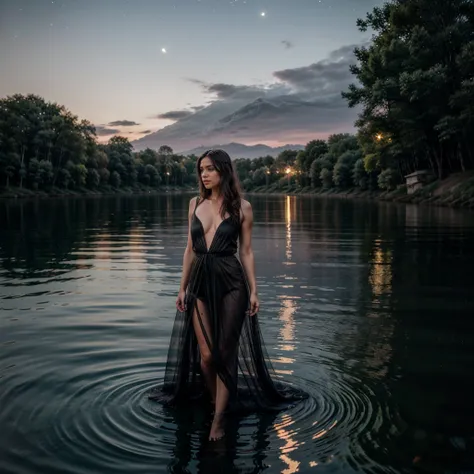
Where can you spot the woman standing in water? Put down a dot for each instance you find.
(216, 346)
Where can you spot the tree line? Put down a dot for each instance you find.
(44, 146)
(414, 89)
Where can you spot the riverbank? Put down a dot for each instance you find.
(18, 193)
(455, 191)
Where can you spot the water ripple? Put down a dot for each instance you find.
(354, 304)
(103, 412)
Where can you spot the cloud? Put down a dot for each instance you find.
(175, 114)
(329, 74)
(102, 131)
(287, 44)
(229, 91)
(308, 99)
(123, 123)
(300, 104)
(145, 132)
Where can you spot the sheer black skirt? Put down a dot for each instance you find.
(218, 299)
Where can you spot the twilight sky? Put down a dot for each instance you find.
(203, 71)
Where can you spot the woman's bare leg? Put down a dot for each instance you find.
(204, 341)
(231, 319)
(222, 398)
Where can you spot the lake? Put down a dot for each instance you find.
(369, 307)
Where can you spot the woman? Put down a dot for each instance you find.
(216, 346)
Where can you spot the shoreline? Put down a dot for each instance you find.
(15, 193)
(456, 191)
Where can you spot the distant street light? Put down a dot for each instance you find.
(288, 173)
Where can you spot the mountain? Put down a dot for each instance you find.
(302, 104)
(239, 150)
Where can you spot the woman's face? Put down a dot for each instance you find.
(209, 175)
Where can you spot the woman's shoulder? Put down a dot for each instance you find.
(193, 201)
(245, 210)
(245, 205)
(192, 204)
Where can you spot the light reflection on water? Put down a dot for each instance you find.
(357, 301)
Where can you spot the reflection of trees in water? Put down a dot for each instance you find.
(417, 278)
(431, 368)
(374, 301)
(39, 235)
(44, 234)
(407, 271)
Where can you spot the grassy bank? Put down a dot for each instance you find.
(16, 192)
(455, 191)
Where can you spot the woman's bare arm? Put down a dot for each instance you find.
(246, 252)
(188, 251)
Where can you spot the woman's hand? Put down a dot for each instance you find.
(254, 304)
(180, 301)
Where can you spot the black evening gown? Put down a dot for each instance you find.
(219, 293)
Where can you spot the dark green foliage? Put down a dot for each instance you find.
(415, 86)
(43, 145)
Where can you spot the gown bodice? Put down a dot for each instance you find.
(224, 242)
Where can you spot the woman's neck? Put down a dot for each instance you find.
(215, 195)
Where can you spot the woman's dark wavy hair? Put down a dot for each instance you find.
(229, 184)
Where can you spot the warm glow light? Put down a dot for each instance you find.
(288, 170)
(379, 136)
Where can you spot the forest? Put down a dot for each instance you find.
(413, 87)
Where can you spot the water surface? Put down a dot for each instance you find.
(367, 306)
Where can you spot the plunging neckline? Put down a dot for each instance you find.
(208, 249)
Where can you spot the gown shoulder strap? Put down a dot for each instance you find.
(197, 203)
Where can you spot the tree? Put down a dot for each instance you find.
(33, 129)
(286, 158)
(415, 84)
(92, 178)
(115, 179)
(165, 150)
(242, 167)
(148, 156)
(326, 178)
(344, 168)
(360, 176)
(154, 178)
(259, 176)
(387, 179)
(314, 173)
